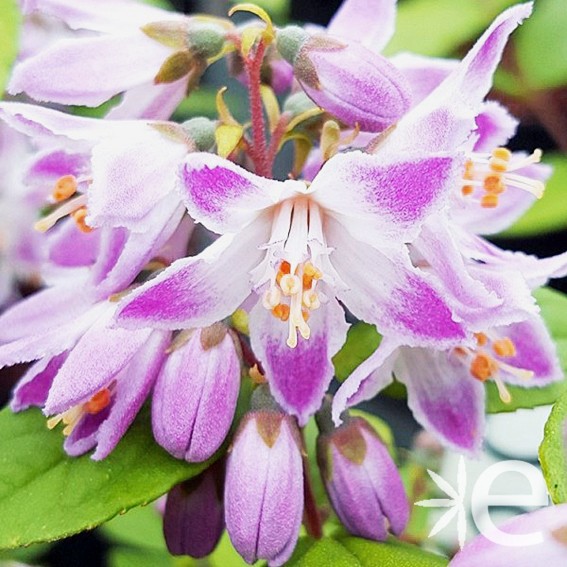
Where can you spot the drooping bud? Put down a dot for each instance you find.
(264, 487)
(349, 81)
(193, 521)
(197, 42)
(195, 394)
(361, 479)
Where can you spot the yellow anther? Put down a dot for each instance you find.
(481, 339)
(281, 311)
(502, 153)
(498, 164)
(483, 367)
(310, 270)
(469, 170)
(489, 201)
(64, 188)
(504, 347)
(493, 184)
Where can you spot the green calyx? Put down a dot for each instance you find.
(201, 131)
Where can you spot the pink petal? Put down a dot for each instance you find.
(443, 396)
(115, 63)
(370, 22)
(199, 291)
(224, 196)
(300, 376)
(386, 200)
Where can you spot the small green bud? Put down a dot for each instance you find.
(289, 41)
(205, 39)
(201, 131)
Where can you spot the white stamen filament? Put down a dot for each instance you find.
(44, 224)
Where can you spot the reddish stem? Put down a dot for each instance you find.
(311, 515)
(253, 66)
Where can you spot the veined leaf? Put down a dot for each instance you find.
(46, 495)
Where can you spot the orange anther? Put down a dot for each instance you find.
(307, 281)
(497, 164)
(305, 314)
(481, 339)
(285, 267)
(79, 216)
(467, 190)
(281, 311)
(460, 351)
(504, 347)
(483, 367)
(493, 184)
(98, 402)
(489, 201)
(469, 170)
(502, 153)
(64, 188)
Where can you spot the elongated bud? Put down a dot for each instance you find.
(195, 395)
(264, 487)
(193, 521)
(361, 479)
(349, 81)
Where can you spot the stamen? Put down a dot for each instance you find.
(504, 347)
(481, 339)
(79, 217)
(98, 402)
(64, 188)
(493, 173)
(281, 311)
(311, 299)
(67, 208)
(503, 392)
(483, 367)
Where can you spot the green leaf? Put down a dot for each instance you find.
(357, 552)
(541, 49)
(139, 527)
(9, 29)
(553, 306)
(46, 495)
(455, 23)
(362, 340)
(552, 452)
(550, 212)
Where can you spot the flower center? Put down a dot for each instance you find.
(295, 253)
(485, 361)
(487, 176)
(72, 416)
(71, 203)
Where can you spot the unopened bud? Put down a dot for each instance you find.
(362, 481)
(201, 131)
(349, 81)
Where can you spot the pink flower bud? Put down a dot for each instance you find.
(264, 487)
(362, 481)
(193, 520)
(347, 80)
(195, 395)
